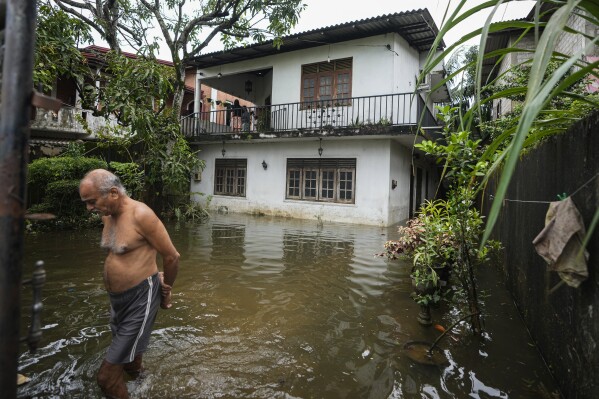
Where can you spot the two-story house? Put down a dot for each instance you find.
(332, 133)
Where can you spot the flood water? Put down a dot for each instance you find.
(273, 308)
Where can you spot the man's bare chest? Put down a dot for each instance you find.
(120, 237)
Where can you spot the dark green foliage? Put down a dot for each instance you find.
(574, 103)
(133, 89)
(55, 181)
(62, 197)
(57, 38)
(46, 170)
(137, 92)
(62, 200)
(131, 175)
(542, 88)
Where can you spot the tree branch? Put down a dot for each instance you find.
(155, 10)
(79, 15)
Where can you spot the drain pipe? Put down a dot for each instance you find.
(17, 85)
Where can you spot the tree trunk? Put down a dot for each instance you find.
(110, 17)
(179, 88)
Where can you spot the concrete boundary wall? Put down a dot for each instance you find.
(564, 324)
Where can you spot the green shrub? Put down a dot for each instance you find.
(45, 170)
(131, 175)
(62, 198)
(55, 183)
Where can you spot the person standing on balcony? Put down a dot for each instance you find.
(236, 118)
(245, 119)
(133, 236)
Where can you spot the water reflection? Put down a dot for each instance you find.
(272, 308)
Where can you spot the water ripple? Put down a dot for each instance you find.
(268, 308)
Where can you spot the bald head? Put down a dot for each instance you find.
(104, 180)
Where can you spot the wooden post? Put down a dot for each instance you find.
(17, 85)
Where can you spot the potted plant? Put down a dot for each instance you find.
(429, 241)
(410, 237)
(433, 257)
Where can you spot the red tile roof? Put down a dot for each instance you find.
(91, 53)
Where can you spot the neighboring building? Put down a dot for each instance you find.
(563, 322)
(567, 43)
(332, 131)
(51, 132)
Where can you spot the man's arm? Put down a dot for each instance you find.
(155, 233)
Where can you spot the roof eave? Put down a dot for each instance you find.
(417, 27)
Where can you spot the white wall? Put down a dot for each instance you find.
(406, 66)
(399, 170)
(375, 68)
(265, 190)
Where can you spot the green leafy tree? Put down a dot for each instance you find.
(135, 91)
(187, 27)
(461, 67)
(56, 52)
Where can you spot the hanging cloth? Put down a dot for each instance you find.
(560, 242)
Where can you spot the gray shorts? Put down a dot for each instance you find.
(132, 315)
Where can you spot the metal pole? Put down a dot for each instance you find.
(14, 134)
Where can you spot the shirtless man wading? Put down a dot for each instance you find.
(133, 235)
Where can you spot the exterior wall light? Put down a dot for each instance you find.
(264, 165)
(223, 151)
(248, 86)
(320, 148)
(219, 75)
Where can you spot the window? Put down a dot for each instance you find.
(230, 177)
(327, 180)
(328, 82)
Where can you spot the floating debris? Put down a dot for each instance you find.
(439, 328)
(21, 379)
(40, 216)
(421, 352)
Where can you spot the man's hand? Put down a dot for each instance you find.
(165, 293)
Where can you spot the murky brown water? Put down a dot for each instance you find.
(272, 308)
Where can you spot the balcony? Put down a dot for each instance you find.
(371, 115)
(68, 121)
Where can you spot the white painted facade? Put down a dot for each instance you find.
(378, 163)
(381, 65)
(376, 70)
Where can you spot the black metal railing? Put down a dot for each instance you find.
(403, 109)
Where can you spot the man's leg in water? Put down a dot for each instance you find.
(111, 381)
(134, 368)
